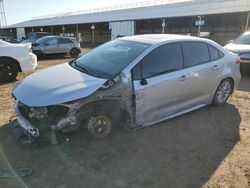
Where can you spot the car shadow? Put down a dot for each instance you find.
(5, 83)
(54, 57)
(182, 152)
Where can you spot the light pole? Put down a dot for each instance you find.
(93, 33)
(63, 29)
(199, 27)
(163, 26)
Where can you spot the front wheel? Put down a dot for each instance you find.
(8, 70)
(223, 92)
(100, 126)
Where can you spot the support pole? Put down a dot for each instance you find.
(247, 22)
(77, 32)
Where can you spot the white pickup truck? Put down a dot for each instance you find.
(15, 58)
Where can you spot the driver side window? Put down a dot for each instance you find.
(166, 58)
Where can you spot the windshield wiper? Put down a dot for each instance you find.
(82, 69)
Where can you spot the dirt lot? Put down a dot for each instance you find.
(206, 148)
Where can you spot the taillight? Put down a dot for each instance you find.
(238, 60)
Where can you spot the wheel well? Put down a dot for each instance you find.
(13, 60)
(110, 107)
(232, 81)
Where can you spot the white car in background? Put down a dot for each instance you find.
(15, 58)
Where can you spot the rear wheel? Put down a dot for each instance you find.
(74, 53)
(8, 70)
(223, 92)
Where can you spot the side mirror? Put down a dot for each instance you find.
(144, 82)
(230, 41)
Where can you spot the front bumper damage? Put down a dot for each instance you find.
(33, 132)
(111, 100)
(25, 124)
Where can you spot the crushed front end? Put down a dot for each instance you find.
(37, 125)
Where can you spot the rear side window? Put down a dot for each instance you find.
(165, 58)
(64, 41)
(195, 53)
(214, 53)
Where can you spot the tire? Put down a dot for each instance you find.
(74, 53)
(223, 92)
(40, 54)
(8, 70)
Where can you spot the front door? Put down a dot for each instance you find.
(161, 85)
(52, 46)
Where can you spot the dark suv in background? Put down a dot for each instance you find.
(56, 45)
(33, 36)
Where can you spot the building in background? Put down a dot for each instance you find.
(219, 20)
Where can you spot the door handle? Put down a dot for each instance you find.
(216, 67)
(184, 78)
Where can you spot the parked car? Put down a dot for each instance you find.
(33, 36)
(15, 58)
(56, 45)
(142, 79)
(9, 39)
(241, 46)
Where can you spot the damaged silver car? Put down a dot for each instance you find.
(133, 82)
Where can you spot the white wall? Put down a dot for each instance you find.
(20, 32)
(124, 28)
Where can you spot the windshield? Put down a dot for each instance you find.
(243, 39)
(108, 60)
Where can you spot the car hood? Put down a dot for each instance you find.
(56, 85)
(238, 48)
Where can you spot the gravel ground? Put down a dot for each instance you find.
(209, 148)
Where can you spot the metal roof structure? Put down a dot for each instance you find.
(137, 11)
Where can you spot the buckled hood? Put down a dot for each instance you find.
(56, 85)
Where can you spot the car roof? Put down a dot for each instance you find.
(159, 38)
(53, 36)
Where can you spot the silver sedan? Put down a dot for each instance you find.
(142, 79)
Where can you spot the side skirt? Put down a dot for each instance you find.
(168, 117)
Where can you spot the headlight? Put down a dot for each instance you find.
(38, 112)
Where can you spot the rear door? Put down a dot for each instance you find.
(205, 65)
(160, 86)
(65, 45)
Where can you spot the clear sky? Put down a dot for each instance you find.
(22, 10)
